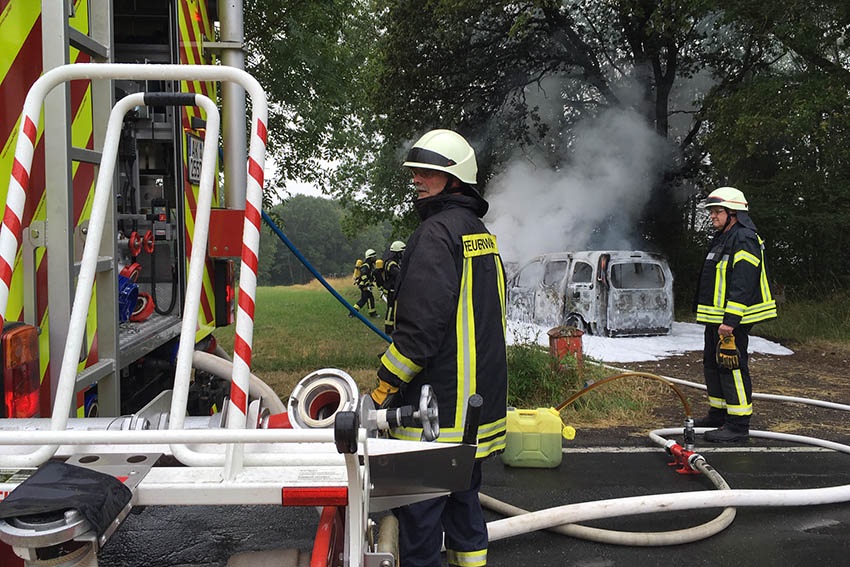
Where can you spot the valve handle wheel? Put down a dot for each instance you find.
(148, 242)
(428, 413)
(135, 244)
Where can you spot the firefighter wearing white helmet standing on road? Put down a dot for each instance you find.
(392, 271)
(732, 295)
(450, 333)
(365, 280)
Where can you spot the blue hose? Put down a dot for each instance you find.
(319, 277)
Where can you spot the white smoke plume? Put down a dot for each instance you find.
(591, 203)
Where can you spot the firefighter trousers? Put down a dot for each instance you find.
(389, 320)
(730, 392)
(421, 526)
(367, 299)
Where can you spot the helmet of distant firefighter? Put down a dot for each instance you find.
(447, 151)
(728, 197)
(370, 254)
(397, 246)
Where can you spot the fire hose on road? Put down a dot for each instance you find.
(562, 519)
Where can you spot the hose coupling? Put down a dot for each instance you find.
(697, 462)
(689, 434)
(681, 459)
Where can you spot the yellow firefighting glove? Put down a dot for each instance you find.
(385, 395)
(727, 353)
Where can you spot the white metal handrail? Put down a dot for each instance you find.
(10, 236)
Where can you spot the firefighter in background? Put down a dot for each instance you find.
(450, 333)
(732, 295)
(391, 271)
(364, 279)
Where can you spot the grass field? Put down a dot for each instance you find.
(299, 329)
(302, 328)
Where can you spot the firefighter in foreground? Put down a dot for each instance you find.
(450, 333)
(391, 272)
(364, 279)
(732, 295)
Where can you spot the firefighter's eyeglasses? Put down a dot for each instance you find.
(423, 172)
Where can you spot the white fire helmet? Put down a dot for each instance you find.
(397, 246)
(447, 151)
(728, 197)
(369, 254)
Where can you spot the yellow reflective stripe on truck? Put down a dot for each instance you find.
(194, 28)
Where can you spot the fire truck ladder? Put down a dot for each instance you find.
(58, 233)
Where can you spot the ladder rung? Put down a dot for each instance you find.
(104, 264)
(85, 155)
(94, 373)
(86, 44)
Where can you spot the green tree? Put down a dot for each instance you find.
(308, 56)
(517, 77)
(784, 138)
(314, 226)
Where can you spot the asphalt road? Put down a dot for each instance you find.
(758, 536)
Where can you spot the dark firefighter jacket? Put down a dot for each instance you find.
(367, 274)
(733, 287)
(450, 325)
(392, 271)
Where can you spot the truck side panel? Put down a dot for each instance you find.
(21, 56)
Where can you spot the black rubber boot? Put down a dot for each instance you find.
(715, 418)
(727, 434)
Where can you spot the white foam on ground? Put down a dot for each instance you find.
(683, 337)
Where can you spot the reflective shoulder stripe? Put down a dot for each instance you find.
(479, 245)
(747, 257)
(399, 364)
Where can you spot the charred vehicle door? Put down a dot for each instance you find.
(549, 300)
(580, 298)
(522, 289)
(640, 300)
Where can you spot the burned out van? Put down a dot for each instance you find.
(610, 293)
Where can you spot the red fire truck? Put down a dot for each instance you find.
(134, 320)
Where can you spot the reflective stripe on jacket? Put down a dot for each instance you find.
(733, 287)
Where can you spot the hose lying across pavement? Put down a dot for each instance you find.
(637, 539)
(563, 519)
(584, 511)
